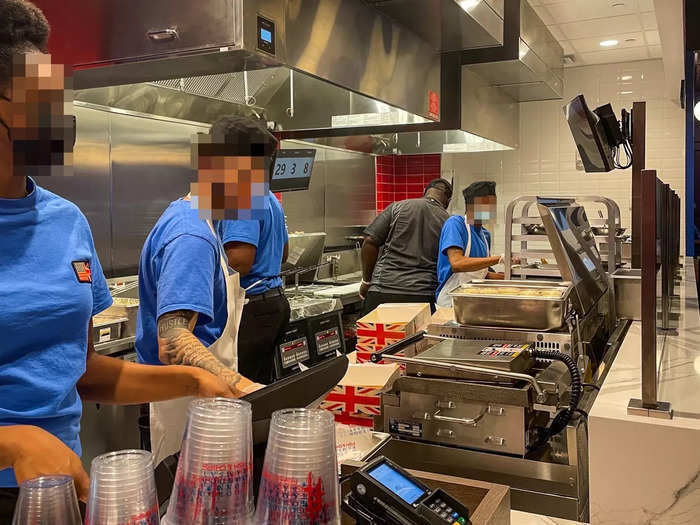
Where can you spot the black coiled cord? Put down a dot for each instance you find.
(563, 416)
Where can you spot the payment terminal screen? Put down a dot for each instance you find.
(397, 483)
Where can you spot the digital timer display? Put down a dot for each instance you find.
(291, 170)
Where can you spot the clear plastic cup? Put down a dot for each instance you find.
(49, 500)
(214, 480)
(300, 476)
(122, 489)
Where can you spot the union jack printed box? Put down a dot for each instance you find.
(388, 324)
(357, 398)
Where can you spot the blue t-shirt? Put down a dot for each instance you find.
(454, 235)
(180, 269)
(51, 284)
(269, 237)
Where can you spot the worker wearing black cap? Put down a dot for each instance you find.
(465, 244)
(409, 232)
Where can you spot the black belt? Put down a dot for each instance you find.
(270, 294)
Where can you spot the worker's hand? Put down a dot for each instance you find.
(252, 387)
(364, 288)
(209, 385)
(240, 385)
(515, 260)
(38, 453)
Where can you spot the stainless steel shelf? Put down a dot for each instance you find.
(116, 346)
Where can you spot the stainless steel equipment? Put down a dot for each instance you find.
(447, 416)
(532, 248)
(537, 305)
(530, 64)
(305, 251)
(460, 405)
(628, 293)
(233, 39)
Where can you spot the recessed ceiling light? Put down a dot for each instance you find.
(625, 92)
(609, 43)
(626, 77)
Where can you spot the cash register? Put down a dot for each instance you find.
(382, 493)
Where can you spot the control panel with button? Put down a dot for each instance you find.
(383, 492)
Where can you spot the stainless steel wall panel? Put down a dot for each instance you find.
(151, 167)
(340, 197)
(89, 187)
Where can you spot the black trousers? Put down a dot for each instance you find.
(374, 299)
(263, 323)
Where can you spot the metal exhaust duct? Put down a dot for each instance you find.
(530, 64)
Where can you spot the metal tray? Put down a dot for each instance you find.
(534, 313)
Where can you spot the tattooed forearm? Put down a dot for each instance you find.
(177, 345)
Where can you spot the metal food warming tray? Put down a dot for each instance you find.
(510, 310)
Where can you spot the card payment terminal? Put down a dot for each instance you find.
(382, 493)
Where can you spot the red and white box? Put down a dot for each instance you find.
(388, 324)
(357, 398)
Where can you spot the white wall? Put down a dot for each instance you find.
(545, 163)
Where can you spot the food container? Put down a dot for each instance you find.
(628, 293)
(534, 305)
(128, 308)
(107, 328)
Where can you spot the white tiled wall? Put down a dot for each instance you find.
(545, 163)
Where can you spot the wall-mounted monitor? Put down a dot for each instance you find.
(291, 170)
(590, 137)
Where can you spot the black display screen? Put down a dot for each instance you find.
(590, 137)
(291, 170)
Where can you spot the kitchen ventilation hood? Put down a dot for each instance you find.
(449, 25)
(530, 64)
(309, 63)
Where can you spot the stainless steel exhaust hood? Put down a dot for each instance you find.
(449, 25)
(530, 64)
(315, 59)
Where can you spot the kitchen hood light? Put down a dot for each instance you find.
(468, 5)
(609, 43)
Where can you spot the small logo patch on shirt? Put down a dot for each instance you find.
(82, 271)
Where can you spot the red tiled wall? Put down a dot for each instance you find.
(402, 177)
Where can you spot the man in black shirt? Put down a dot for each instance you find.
(409, 232)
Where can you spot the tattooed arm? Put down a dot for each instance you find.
(177, 345)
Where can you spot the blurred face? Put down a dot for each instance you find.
(483, 210)
(229, 187)
(36, 117)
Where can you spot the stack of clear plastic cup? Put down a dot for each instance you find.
(300, 476)
(214, 480)
(49, 500)
(122, 489)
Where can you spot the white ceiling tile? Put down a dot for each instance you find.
(646, 5)
(543, 13)
(649, 20)
(652, 38)
(603, 27)
(588, 45)
(655, 52)
(578, 10)
(557, 33)
(615, 55)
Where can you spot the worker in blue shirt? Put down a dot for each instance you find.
(190, 302)
(51, 281)
(465, 244)
(256, 249)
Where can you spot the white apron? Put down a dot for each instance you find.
(168, 418)
(456, 280)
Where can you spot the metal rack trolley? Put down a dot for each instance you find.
(524, 204)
